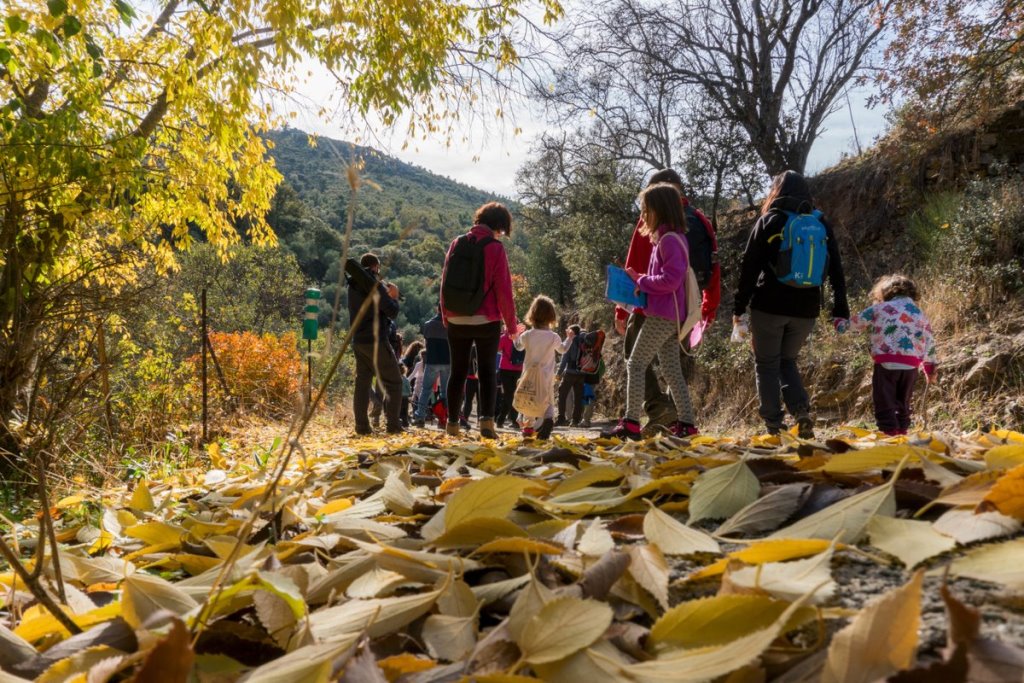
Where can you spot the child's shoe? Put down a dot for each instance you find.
(527, 432)
(682, 429)
(545, 428)
(625, 429)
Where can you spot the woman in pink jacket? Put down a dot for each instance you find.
(476, 296)
(665, 286)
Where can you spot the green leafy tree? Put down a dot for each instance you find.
(126, 132)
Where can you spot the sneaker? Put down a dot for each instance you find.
(575, 424)
(464, 423)
(545, 428)
(805, 427)
(682, 429)
(561, 422)
(395, 429)
(625, 429)
(420, 424)
(528, 432)
(364, 430)
(500, 424)
(585, 424)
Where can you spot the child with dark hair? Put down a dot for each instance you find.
(541, 344)
(901, 345)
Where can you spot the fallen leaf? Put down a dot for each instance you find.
(713, 621)
(879, 457)
(170, 660)
(909, 540)
(768, 512)
(647, 565)
(788, 580)
(1001, 563)
(967, 526)
(881, 639)
(490, 497)
(675, 538)
(723, 491)
(847, 519)
(562, 627)
(1007, 494)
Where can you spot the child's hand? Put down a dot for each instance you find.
(841, 325)
(930, 374)
(632, 273)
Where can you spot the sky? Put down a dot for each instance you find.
(487, 154)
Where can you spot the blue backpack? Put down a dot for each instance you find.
(803, 250)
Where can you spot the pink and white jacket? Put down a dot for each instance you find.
(900, 333)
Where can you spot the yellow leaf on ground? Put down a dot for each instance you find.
(1004, 457)
(142, 499)
(675, 538)
(911, 541)
(37, 623)
(714, 621)
(335, 506)
(881, 639)
(767, 551)
(396, 666)
(490, 497)
(562, 627)
(1007, 494)
(1001, 563)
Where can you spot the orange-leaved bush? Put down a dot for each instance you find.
(262, 372)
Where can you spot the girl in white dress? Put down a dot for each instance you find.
(541, 344)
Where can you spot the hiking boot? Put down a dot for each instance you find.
(805, 427)
(545, 428)
(420, 424)
(683, 429)
(487, 429)
(452, 428)
(625, 429)
(395, 429)
(364, 430)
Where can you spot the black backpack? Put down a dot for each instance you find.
(463, 286)
(702, 252)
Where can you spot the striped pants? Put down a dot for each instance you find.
(658, 337)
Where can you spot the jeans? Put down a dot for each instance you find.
(431, 373)
(777, 342)
(377, 360)
(461, 340)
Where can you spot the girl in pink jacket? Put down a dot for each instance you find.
(665, 286)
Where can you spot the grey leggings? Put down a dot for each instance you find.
(658, 337)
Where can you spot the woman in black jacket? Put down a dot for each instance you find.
(782, 315)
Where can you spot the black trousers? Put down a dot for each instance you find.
(508, 379)
(892, 392)
(472, 392)
(573, 383)
(461, 340)
(377, 360)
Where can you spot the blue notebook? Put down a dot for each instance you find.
(621, 289)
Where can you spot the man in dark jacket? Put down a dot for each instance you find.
(437, 363)
(782, 316)
(372, 348)
(571, 380)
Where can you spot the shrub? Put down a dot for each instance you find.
(262, 372)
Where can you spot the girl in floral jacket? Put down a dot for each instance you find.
(901, 345)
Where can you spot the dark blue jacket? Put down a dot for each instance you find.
(435, 336)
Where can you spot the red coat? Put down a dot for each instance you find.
(498, 303)
(639, 256)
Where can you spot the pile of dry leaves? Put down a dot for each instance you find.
(420, 559)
